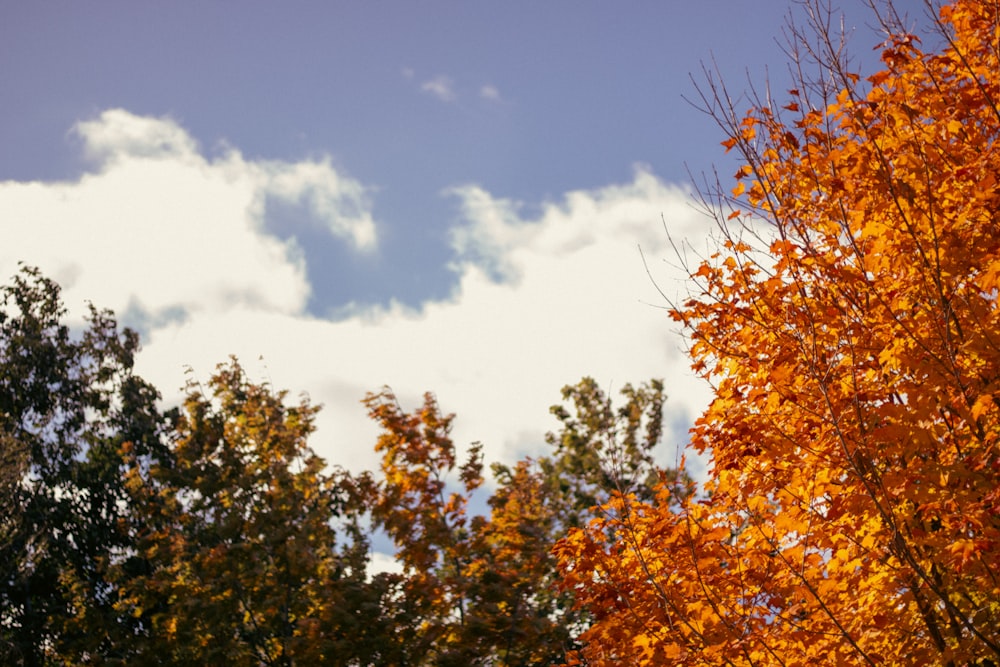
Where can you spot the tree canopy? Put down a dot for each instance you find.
(849, 325)
(213, 533)
(68, 405)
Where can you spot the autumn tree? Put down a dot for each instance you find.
(429, 524)
(481, 588)
(243, 565)
(69, 403)
(214, 534)
(850, 326)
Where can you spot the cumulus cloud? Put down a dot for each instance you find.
(159, 230)
(341, 204)
(440, 87)
(573, 299)
(538, 301)
(116, 133)
(568, 293)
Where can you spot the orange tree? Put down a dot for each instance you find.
(474, 589)
(850, 326)
(429, 525)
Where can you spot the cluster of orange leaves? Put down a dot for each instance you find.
(474, 586)
(852, 335)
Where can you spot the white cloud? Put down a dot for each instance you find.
(340, 203)
(384, 563)
(538, 302)
(489, 92)
(440, 87)
(158, 228)
(497, 351)
(116, 133)
(443, 88)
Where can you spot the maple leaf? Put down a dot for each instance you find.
(855, 363)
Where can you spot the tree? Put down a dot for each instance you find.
(213, 533)
(481, 589)
(601, 450)
(429, 525)
(850, 325)
(69, 403)
(514, 603)
(243, 565)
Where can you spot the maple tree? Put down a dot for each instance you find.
(850, 326)
(428, 523)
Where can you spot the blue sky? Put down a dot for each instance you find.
(429, 195)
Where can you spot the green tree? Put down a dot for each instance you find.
(69, 402)
(601, 450)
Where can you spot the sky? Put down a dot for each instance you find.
(432, 196)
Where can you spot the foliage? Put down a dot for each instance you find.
(429, 525)
(68, 403)
(482, 589)
(854, 345)
(214, 534)
(238, 539)
(601, 450)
